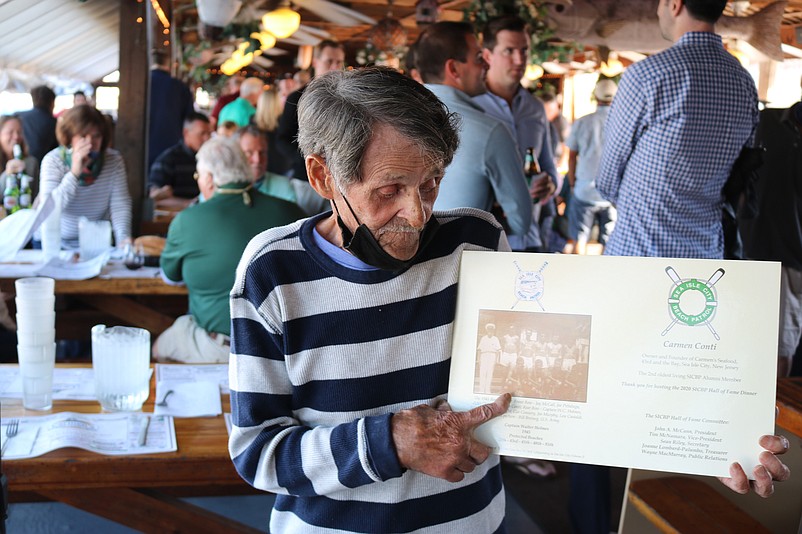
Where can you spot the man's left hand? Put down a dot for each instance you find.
(770, 469)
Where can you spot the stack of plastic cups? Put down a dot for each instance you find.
(36, 340)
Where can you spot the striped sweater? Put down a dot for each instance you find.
(106, 199)
(322, 356)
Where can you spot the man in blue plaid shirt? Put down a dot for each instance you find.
(676, 126)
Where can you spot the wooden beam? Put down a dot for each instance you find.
(132, 117)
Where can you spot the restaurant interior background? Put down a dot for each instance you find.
(75, 44)
(101, 47)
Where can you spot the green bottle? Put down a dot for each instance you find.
(11, 195)
(25, 193)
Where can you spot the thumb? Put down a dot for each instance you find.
(486, 412)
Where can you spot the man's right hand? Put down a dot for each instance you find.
(542, 187)
(439, 442)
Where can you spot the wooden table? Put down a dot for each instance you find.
(125, 299)
(139, 491)
(789, 401)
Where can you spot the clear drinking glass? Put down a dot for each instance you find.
(36, 364)
(133, 256)
(121, 364)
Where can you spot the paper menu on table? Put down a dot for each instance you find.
(68, 383)
(187, 399)
(652, 363)
(69, 269)
(217, 373)
(112, 434)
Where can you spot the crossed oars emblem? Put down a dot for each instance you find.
(705, 288)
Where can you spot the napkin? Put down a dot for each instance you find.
(188, 399)
(20, 445)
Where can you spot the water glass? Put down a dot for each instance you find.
(36, 336)
(94, 237)
(36, 363)
(34, 287)
(35, 306)
(121, 364)
(39, 322)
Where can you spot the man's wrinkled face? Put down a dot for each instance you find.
(329, 60)
(507, 61)
(197, 133)
(394, 199)
(255, 149)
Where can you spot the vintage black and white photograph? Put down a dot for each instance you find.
(532, 354)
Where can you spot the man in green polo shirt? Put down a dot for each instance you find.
(203, 248)
(243, 108)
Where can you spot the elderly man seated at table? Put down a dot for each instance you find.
(253, 143)
(171, 176)
(204, 244)
(86, 177)
(342, 324)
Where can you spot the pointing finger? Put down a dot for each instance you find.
(486, 412)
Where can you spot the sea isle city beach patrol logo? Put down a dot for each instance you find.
(529, 285)
(691, 301)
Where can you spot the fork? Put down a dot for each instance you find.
(11, 430)
(163, 402)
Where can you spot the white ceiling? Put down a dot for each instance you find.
(72, 39)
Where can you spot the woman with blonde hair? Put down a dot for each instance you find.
(268, 112)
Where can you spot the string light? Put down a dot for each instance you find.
(533, 72)
(266, 39)
(282, 22)
(139, 20)
(160, 13)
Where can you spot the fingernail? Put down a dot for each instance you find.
(786, 443)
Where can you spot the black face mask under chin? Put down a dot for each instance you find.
(364, 246)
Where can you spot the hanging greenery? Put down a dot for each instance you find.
(542, 49)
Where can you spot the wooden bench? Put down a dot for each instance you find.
(685, 505)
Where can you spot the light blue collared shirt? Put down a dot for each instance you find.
(486, 166)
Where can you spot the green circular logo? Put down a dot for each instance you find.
(685, 317)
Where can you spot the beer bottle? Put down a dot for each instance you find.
(11, 195)
(25, 192)
(531, 168)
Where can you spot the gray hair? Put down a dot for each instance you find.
(339, 111)
(223, 158)
(251, 86)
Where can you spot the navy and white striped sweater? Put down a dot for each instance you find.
(322, 356)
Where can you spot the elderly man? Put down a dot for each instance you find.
(241, 109)
(253, 143)
(203, 246)
(171, 175)
(487, 167)
(329, 56)
(342, 324)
